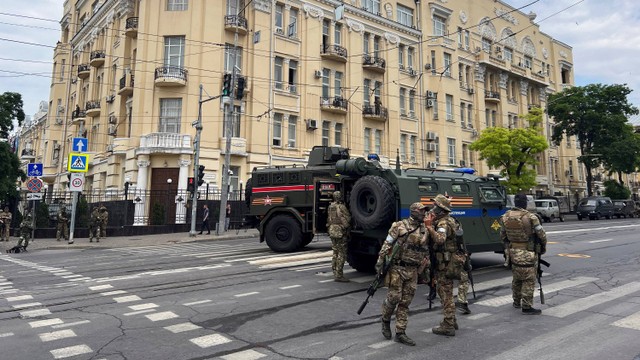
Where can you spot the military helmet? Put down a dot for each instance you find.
(337, 196)
(442, 202)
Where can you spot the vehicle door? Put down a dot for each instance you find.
(323, 196)
(485, 220)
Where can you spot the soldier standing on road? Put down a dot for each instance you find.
(104, 219)
(519, 229)
(94, 225)
(463, 289)
(339, 222)
(26, 227)
(205, 220)
(7, 217)
(442, 229)
(63, 221)
(410, 237)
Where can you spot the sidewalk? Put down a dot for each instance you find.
(127, 241)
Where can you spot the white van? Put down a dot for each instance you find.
(531, 203)
(548, 210)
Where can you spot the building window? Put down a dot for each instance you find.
(447, 64)
(337, 84)
(325, 133)
(487, 117)
(377, 91)
(401, 56)
(451, 151)
(439, 26)
(486, 45)
(277, 73)
(234, 7)
(433, 62)
(372, 6)
(412, 148)
(365, 44)
(177, 5)
(493, 118)
(403, 147)
(412, 103)
(378, 141)
(325, 83)
(277, 129)
(435, 105)
(293, 23)
(174, 51)
(528, 62)
(403, 95)
(508, 55)
(170, 114)
(293, 76)
(376, 46)
(367, 141)
(449, 104)
(410, 52)
(366, 90)
(405, 15)
(337, 133)
(469, 116)
(293, 122)
(337, 34)
(228, 58)
(462, 113)
(64, 63)
(279, 17)
(233, 119)
(325, 33)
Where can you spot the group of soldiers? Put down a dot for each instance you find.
(97, 224)
(26, 227)
(429, 246)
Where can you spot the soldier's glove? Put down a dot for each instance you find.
(379, 265)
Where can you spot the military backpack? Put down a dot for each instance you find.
(517, 226)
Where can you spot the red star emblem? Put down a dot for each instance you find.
(267, 200)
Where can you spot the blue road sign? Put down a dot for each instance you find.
(34, 169)
(79, 144)
(78, 163)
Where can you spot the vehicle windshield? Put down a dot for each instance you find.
(588, 203)
(541, 204)
(491, 194)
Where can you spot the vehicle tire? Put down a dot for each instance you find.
(372, 202)
(551, 218)
(579, 218)
(306, 239)
(363, 263)
(283, 234)
(561, 218)
(247, 193)
(598, 217)
(608, 216)
(618, 216)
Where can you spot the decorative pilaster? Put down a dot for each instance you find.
(181, 198)
(140, 195)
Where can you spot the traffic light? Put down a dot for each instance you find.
(191, 184)
(200, 175)
(240, 90)
(68, 180)
(226, 85)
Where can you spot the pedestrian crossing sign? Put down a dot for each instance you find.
(78, 163)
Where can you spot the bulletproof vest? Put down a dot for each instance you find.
(450, 225)
(412, 248)
(335, 214)
(517, 225)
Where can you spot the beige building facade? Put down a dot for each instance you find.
(421, 80)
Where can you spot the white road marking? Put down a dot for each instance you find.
(325, 281)
(57, 335)
(129, 298)
(162, 316)
(506, 299)
(275, 297)
(289, 287)
(70, 351)
(143, 306)
(26, 305)
(100, 287)
(247, 294)
(196, 302)
(115, 292)
(71, 276)
(381, 344)
(478, 316)
(598, 241)
(35, 313)
(589, 229)
(162, 272)
(48, 322)
(2, 335)
(629, 322)
(244, 355)
(210, 340)
(291, 258)
(11, 291)
(71, 324)
(178, 328)
(81, 279)
(584, 303)
(20, 298)
(139, 312)
(5, 283)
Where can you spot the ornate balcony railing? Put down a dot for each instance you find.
(234, 21)
(334, 51)
(173, 74)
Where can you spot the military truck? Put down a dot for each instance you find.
(288, 204)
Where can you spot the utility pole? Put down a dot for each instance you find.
(196, 165)
(74, 202)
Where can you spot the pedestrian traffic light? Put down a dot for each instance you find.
(200, 175)
(191, 184)
(226, 85)
(240, 90)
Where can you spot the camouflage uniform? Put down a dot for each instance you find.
(63, 221)
(339, 221)
(463, 289)
(94, 225)
(445, 248)
(25, 231)
(411, 238)
(6, 219)
(523, 255)
(104, 219)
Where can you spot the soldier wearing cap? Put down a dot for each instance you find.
(339, 222)
(406, 248)
(442, 229)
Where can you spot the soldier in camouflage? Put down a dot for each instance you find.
(63, 221)
(463, 289)
(410, 238)
(104, 219)
(339, 222)
(5, 224)
(26, 226)
(519, 230)
(442, 229)
(94, 225)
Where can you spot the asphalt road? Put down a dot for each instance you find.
(235, 299)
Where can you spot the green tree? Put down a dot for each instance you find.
(10, 111)
(82, 212)
(595, 114)
(42, 215)
(514, 151)
(615, 190)
(622, 155)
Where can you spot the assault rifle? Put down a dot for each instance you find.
(538, 248)
(379, 280)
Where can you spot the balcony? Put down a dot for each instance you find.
(338, 105)
(374, 63)
(236, 23)
(375, 112)
(168, 143)
(78, 115)
(28, 154)
(92, 108)
(96, 59)
(131, 27)
(492, 96)
(333, 52)
(168, 76)
(83, 71)
(126, 85)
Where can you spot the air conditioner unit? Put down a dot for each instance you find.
(59, 121)
(431, 146)
(432, 165)
(429, 94)
(430, 103)
(113, 119)
(318, 74)
(279, 31)
(427, 66)
(470, 91)
(431, 135)
(110, 148)
(312, 124)
(113, 130)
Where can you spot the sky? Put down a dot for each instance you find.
(604, 35)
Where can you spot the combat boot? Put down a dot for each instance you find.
(440, 330)
(402, 338)
(531, 311)
(386, 329)
(455, 324)
(341, 279)
(464, 307)
(516, 304)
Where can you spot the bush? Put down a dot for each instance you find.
(615, 190)
(42, 215)
(82, 212)
(158, 214)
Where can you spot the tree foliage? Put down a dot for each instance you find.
(615, 190)
(622, 155)
(596, 114)
(10, 110)
(514, 151)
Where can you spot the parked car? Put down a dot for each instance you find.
(548, 210)
(624, 208)
(595, 207)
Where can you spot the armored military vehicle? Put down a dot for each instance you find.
(288, 204)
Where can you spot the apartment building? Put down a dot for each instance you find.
(414, 79)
